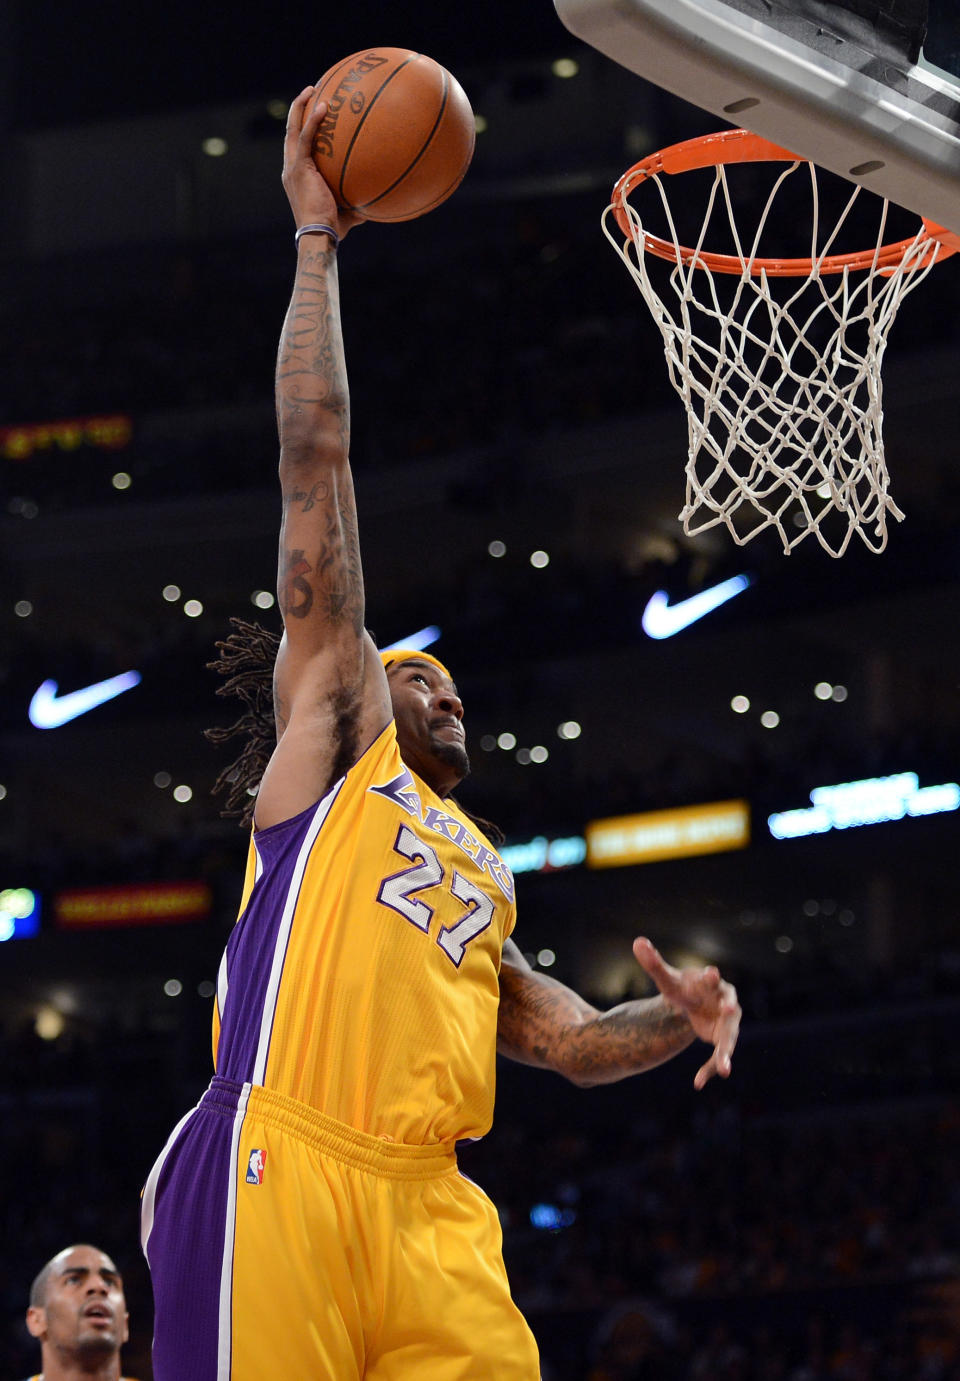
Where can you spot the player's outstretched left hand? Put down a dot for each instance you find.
(708, 1002)
(311, 200)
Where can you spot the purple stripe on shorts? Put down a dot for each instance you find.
(186, 1244)
(252, 944)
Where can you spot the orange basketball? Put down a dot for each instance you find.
(398, 134)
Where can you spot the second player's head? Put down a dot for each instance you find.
(77, 1311)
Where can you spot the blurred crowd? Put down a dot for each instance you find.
(729, 1247)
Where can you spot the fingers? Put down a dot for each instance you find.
(727, 1033)
(297, 106)
(708, 1001)
(302, 126)
(311, 124)
(689, 988)
(718, 1063)
(704, 1074)
(701, 988)
(311, 199)
(296, 113)
(652, 962)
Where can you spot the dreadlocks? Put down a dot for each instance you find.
(246, 659)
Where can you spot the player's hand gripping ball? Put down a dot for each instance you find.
(398, 134)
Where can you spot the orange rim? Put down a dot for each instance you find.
(741, 146)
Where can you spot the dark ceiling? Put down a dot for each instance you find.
(69, 64)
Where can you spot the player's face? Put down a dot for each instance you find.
(429, 718)
(84, 1314)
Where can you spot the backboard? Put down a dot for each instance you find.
(869, 89)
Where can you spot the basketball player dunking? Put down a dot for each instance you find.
(308, 1217)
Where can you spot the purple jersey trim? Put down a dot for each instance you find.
(258, 944)
(188, 1242)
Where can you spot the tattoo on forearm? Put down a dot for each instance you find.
(326, 579)
(546, 1024)
(310, 368)
(631, 1038)
(317, 494)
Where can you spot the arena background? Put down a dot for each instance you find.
(508, 388)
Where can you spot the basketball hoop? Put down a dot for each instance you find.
(777, 360)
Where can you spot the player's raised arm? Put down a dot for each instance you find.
(545, 1024)
(330, 691)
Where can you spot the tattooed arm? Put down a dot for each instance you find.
(542, 1023)
(330, 689)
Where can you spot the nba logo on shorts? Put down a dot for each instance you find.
(255, 1164)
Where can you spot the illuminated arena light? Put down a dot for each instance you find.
(542, 855)
(19, 913)
(873, 801)
(423, 638)
(551, 1218)
(129, 904)
(621, 840)
(49, 1023)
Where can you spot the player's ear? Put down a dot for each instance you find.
(36, 1321)
(126, 1329)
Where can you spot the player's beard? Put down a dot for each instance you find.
(94, 1346)
(452, 755)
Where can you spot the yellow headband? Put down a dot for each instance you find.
(407, 654)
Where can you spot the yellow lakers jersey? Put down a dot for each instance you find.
(362, 976)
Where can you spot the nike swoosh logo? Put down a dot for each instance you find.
(49, 710)
(661, 619)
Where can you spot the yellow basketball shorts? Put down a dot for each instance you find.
(283, 1243)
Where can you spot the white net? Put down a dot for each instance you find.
(780, 375)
